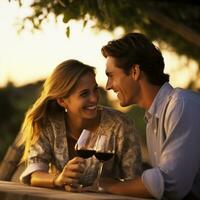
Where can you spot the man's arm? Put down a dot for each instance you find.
(179, 162)
(134, 187)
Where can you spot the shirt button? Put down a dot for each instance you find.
(155, 153)
(154, 130)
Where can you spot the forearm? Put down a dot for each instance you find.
(42, 179)
(133, 187)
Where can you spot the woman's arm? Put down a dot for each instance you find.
(43, 179)
(69, 176)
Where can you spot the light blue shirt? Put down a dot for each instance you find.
(173, 141)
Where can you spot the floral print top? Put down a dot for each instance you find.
(52, 148)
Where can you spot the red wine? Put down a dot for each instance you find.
(103, 156)
(84, 153)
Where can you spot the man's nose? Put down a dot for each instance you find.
(108, 85)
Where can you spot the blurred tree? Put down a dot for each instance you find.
(6, 117)
(175, 23)
(137, 114)
(14, 101)
(103, 97)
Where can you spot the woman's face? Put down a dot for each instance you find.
(84, 98)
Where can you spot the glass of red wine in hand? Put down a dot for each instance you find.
(104, 151)
(83, 146)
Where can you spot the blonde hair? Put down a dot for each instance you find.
(58, 85)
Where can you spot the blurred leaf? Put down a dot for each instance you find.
(85, 23)
(174, 22)
(68, 31)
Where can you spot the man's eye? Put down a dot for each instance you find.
(110, 76)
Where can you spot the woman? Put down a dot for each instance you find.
(67, 105)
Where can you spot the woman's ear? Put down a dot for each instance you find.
(135, 72)
(61, 102)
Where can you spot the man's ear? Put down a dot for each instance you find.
(135, 72)
(61, 102)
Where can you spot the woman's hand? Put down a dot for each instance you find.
(70, 175)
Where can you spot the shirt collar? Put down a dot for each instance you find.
(159, 101)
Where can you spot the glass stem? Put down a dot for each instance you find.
(99, 174)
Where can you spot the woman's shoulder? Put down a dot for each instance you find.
(52, 119)
(117, 121)
(54, 126)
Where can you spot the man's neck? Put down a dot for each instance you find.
(148, 93)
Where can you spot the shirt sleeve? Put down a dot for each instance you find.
(39, 157)
(129, 151)
(154, 182)
(180, 155)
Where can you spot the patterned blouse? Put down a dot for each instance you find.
(52, 148)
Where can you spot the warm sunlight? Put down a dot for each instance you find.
(28, 57)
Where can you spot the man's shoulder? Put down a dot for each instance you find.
(184, 95)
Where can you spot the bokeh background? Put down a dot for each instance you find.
(35, 36)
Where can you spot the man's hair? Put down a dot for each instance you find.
(135, 48)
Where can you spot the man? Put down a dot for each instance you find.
(134, 68)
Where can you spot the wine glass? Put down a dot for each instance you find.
(105, 149)
(83, 146)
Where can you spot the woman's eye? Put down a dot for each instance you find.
(84, 94)
(96, 89)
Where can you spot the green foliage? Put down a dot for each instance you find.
(128, 14)
(175, 23)
(14, 102)
(137, 114)
(103, 98)
(7, 120)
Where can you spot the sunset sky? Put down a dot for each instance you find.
(28, 57)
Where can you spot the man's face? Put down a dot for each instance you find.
(124, 85)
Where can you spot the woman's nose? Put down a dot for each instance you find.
(94, 97)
